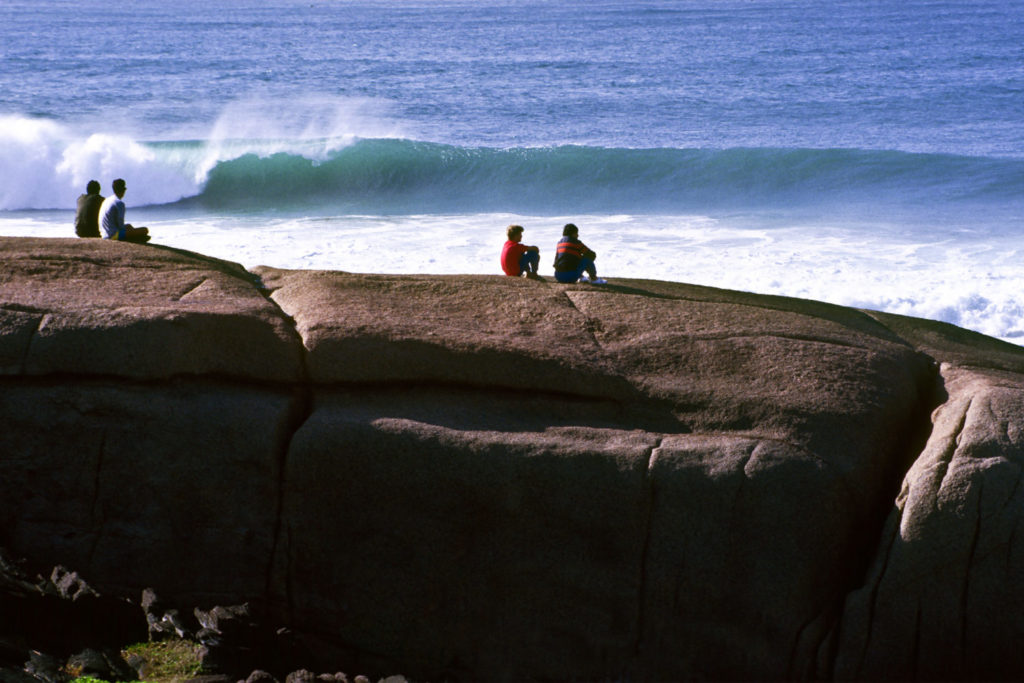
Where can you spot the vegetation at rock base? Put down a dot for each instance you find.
(168, 661)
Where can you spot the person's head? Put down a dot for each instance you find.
(570, 230)
(119, 187)
(515, 232)
(93, 187)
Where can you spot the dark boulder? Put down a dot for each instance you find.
(474, 477)
(61, 615)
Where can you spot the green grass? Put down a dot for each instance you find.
(167, 661)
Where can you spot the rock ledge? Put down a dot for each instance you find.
(477, 477)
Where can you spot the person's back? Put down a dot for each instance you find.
(111, 217)
(518, 258)
(573, 258)
(569, 252)
(88, 210)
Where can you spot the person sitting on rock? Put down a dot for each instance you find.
(516, 258)
(573, 258)
(88, 211)
(111, 218)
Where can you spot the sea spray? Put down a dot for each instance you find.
(44, 166)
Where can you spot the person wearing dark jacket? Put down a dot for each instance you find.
(88, 211)
(573, 258)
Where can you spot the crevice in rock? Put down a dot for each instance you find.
(1008, 504)
(589, 323)
(191, 288)
(965, 590)
(31, 340)
(645, 550)
(302, 408)
(873, 599)
(829, 648)
(22, 308)
(881, 528)
(915, 656)
(284, 546)
(95, 508)
(737, 490)
(794, 666)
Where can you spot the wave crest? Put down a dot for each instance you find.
(44, 165)
(401, 175)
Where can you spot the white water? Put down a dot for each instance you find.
(182, 86)
(976, 286)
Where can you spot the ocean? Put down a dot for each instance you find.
(863, 152)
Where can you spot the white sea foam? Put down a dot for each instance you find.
(979, 288)
(45, 165)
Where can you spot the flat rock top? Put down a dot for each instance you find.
(109, 308)
(99, 307)
(67, 274)
(692, 358)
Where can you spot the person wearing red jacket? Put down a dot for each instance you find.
(518, 258)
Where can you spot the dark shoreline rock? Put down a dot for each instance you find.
(54, 630)
(61, 615)
(475, 477)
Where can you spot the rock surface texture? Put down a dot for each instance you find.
(492, 478)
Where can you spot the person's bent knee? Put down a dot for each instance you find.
(587, 266)
(529, 262)
(567, 277)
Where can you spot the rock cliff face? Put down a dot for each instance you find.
(475, 477)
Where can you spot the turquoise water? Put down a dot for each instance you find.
(867, 153)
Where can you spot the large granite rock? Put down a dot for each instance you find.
(498, 478)
(946, 578)
(94, 307)
(943, 595)
(654, 469)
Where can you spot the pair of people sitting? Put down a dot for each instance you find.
(574, 261)
(95, 212)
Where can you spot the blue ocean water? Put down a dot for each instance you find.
(865, 152)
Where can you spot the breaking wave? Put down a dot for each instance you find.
(402, 175)
(43, 166)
